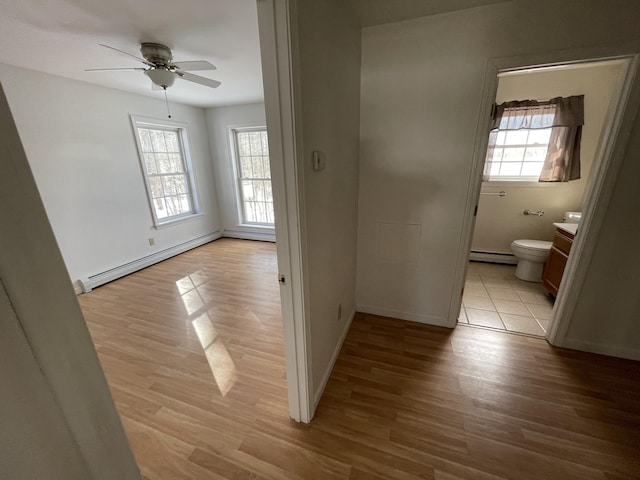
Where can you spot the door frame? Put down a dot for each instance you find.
(279, 67)
(608, 158)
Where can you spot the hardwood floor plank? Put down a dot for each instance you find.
(296, 460)
(220, 465)
(530, 464)
(161, 456)
(193, 352)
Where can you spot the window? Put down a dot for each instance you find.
(164, 156)
(254, 176)
(518, 154)
(518, 146)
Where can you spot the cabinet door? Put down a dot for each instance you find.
(553, 270)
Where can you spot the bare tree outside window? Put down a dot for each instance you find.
(165, 164)
(254, 176)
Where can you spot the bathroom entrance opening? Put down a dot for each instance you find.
(530, 223)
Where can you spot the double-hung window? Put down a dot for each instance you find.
(164, 155)
(251, 153)
(518, 146)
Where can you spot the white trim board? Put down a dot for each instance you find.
(317, 396)
(489, 90)
(277, 29)
(402, 315)
(88, 283)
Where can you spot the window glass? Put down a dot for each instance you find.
(252, 165)
(517, 154)
(166, 169)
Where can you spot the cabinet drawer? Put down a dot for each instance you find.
(562, 242)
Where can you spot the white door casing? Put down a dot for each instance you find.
(278, 66)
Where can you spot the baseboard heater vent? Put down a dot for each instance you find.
(93, 281)
(493, 257)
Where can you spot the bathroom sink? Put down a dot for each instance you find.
(570, 222)
(572, 228)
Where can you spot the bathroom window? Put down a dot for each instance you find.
(518, 154)
(164, 155)
(251, 153)
(519, 141)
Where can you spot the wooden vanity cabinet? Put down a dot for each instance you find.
(557, 261)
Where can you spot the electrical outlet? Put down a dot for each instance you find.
(339, 311)
(152, 241)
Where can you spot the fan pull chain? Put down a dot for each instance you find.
(166, 101)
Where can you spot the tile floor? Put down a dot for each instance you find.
(495, 298)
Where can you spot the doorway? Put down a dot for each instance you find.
(511, 208)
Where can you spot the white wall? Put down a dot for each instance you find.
(500, 220)
(29, 413)
(329, 79)
(219, 121)
(81, 148)
(57, 417)
(422, 86)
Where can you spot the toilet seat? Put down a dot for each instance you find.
(533, 245)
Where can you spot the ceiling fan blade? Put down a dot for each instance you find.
(140, 59)
(112, 69)
(194, 65)
(207, 82)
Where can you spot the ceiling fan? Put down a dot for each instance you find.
(161, 69)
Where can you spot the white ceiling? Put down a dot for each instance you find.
(62, 36)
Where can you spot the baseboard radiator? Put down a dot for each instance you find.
(493, 257)
(93, 281)
(250, 235)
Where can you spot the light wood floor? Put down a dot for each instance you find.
(192, 351)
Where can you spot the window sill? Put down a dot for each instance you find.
(176, 221)
(516, 183)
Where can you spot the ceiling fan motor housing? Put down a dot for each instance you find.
(156, 53)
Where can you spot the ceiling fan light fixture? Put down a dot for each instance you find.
(162, 78)
(160, 68)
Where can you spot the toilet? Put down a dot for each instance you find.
(531, 255)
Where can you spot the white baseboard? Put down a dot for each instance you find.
(402, 315)
(493, 257)
(609, 350)
(325, 378)
(88, 283)
(244, 235)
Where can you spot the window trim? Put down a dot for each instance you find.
(236, 167)
(140, 121)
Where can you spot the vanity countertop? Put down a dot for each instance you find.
(572, 228)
